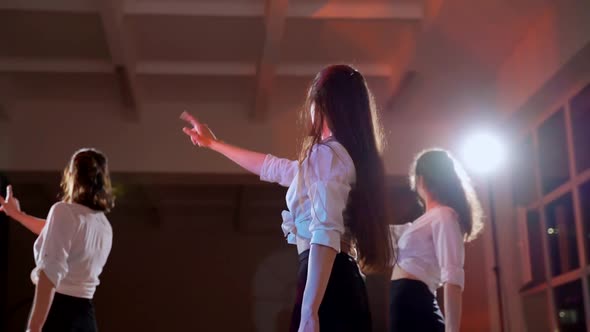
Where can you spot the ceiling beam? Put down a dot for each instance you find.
(306, 70)
(32, 65)
(195, 8)
(403, 77)
(359, 10)
(400, 10)
(188, 68)
(196, 68)
(203, 68)
(403, 10)
(68, 6)
(122, 56)
(275, 17)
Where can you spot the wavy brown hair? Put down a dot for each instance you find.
(343, 101)
(86, 181)
(446, 180)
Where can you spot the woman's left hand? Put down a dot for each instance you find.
(309, 322)
(9, 205)
(200, 134)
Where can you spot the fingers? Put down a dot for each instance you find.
(189, 118)
(8, 192)
(188, 131)
(193, 134)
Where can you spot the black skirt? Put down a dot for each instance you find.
(70, 314)
(413, 308)
(345, 306)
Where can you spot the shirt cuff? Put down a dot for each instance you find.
(453, 275)
(328, 238)
(51, 271)
(265, 171)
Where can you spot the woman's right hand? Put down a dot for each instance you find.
(9, 205)
(200, 134)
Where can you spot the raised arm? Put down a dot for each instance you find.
(202, 136)
(268, 167)
(11, 207)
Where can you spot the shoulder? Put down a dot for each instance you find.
(330, 151)
(330, 158)
(446, 213)
(445, 218)
(65, 210)
(60, 214)
(60, 208)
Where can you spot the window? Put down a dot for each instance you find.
(561, 234)
(553, 155)
(580, 113)
(523, 186)
(544, 199)
(535, 235)
(569, 306)
(585, 203)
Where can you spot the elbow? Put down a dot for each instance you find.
(453, 276)
(45, 281)
(454, 287)
(51, 274)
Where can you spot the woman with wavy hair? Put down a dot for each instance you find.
(336, 199)
(73, 245)
(430, 250)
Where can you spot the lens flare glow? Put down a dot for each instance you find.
(483, 153)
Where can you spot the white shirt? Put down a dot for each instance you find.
(317, 195)
(72, 249)
(432, 248)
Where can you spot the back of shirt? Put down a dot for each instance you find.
(431, 248)
(73, 248)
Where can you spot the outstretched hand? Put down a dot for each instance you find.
(200, 134)
(9, 205)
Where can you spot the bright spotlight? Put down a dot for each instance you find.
(483, 153)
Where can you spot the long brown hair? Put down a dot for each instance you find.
(445, 179)
(343, 101)
(86, 181)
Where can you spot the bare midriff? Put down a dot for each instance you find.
(400, 273)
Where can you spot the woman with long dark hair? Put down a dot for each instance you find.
(73, 245)
(430, 250)
(336, 199)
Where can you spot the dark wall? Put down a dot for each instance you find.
(189, 253)
(3, 256)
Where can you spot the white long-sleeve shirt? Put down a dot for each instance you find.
(317, 195)
(73, 248)
(432, 248)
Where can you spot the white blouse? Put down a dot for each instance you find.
(317, 195)
(72, 249)
(432, 248)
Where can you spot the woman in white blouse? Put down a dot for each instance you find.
(336, 199)
(430, 250)
(73, 245)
